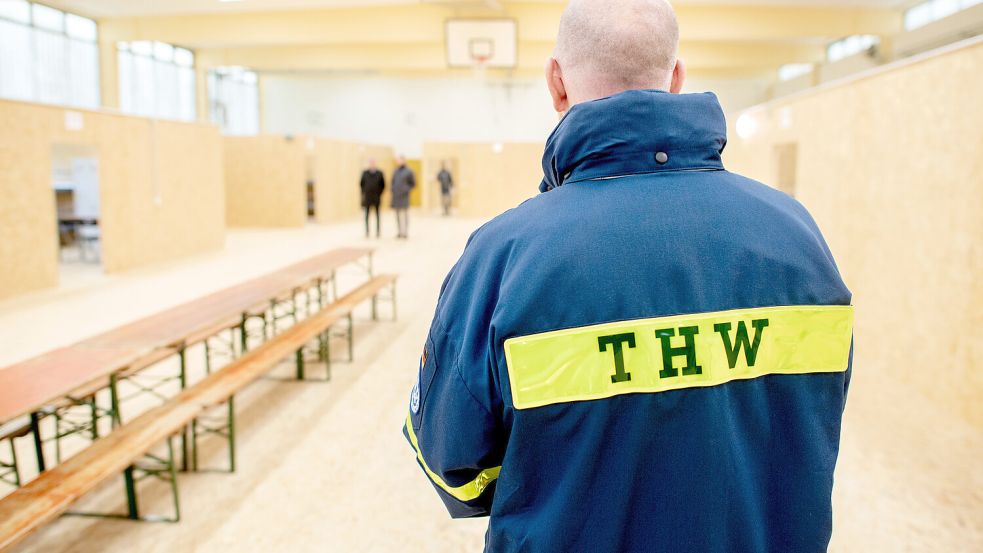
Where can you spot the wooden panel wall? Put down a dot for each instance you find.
(486, 182)
(337, 167)
(28, 226)
(160, 189)
(265, 181)
(891, 166)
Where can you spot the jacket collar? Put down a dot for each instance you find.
(626, 134)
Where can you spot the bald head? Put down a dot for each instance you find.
(609, 46)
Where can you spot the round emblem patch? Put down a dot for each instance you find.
(415, 398)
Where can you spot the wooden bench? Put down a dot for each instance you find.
(124, 449)
(75, 374)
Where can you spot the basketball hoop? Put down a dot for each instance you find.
(479, 66)
(480, 44)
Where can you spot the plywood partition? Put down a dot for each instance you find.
(265, 181)
(28, 226)
(891, 165)
(162, 195)
(337, 168)
(488, 178)
(160, 190)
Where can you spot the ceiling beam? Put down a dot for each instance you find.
(428, 57)
(537, 23)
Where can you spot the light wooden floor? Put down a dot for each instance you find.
(324, 467)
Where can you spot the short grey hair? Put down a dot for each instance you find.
(632, 43)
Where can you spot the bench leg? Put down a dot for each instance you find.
(69, 421)
(300, 364)
(163, 468)
(172, 469)
(375, 307)
(293, 306)
(228, 431)
(321, 339)
(183, 376)
(243, 337)
(11, 471)
(38, 445)
(14, 465)
(129, 481)
(232, 433)
(94, 413)
(308, 301)
(57, 437)
(194, 445)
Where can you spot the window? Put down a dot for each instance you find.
(157, 80)
(233, 98)
(927, 12)
(846, 47)
(791, 71)
(47, 55)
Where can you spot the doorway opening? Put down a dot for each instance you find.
(75, 180)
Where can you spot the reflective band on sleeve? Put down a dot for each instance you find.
(467, 492)
(670, 353)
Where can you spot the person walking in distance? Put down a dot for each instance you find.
(446, 186)
(653, 354)
(372, 185)
(403, 182)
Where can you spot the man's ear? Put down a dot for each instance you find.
(678, 77)
(554, 81)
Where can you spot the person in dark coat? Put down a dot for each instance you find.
(651, 356)
(446, 185)
(372, 184)
(403, 182)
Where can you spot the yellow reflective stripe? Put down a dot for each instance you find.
(579, 364)
(468, 492)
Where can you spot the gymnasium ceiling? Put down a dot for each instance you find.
(721, 38)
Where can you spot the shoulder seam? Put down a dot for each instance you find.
(457, 369)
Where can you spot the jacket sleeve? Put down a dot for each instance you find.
(361, 182)
(452, 424)
(411, 179)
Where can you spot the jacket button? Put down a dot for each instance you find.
(662, 158)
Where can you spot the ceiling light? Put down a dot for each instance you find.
(747, 126)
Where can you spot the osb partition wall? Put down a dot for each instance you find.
(337, 168)
(163, 197)
(488, 179)
(28, 227)
(265, 181)
(891, 166)
(160, 190)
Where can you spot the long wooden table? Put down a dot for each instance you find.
(27, 388)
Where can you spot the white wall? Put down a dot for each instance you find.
(406, 112)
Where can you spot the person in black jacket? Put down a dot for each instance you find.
(372, 184)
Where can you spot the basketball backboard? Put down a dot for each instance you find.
(481, 42)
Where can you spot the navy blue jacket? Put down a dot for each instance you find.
(691, 401)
